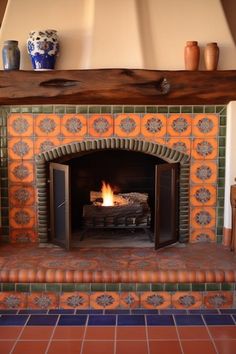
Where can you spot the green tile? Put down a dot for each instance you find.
(221, 203)
(171, 287)
(113, 287)
(59, 109)
(38, 287)
(71, 109)
(117, 109)
(222, 151)
(220, 212)
(222, 131)
(94, 109)
(128, 109)
(139, 109)
(82, 109)
(151, 109)
(67, 287)
(221, 162)
(198, 109)
(198, 287)
(222, 141)
(84, 287)
(8, 287)
(157, 287)
(37, 109)
(48, 109)
(221, 172)
(98, 287)
(212, 286)
(143, 287)
(53, 287)
(186, 109)
(220, 222)
(221, 109)
(106, 109)
(15, 109)
(227, 286)
(219, 239)
(174, 109)
(163, 109)
(127, 287)
(221, 192)
(23, 288)
(27, 109)
(209, 109)
(222, 120)
(184, 286)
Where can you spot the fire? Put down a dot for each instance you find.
(107, 195)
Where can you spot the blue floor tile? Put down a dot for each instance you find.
(13, 320)
(203, 312)
(72, 320)
(189, 320)
(33, 312)
(228, 311)
(160, 320)
(131, 320)
(144, 312)
(117, 312)
(218, 320)
(102, 320)
(173, 312)
(89, 312)
(61, 312)
(42, 320)
(8, 312)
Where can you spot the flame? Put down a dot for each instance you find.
(107, 195)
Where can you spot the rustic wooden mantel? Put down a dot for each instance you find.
(117, 86)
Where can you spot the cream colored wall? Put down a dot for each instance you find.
(147, 34)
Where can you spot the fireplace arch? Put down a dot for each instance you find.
(76, 148)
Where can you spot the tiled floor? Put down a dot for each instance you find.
(118, 331)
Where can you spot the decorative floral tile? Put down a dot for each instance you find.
(127, 125)
(203, 217)
(101, 125)
(129, 300)
(23, 235)
(153, 124)
(179, 125)
(22, 217)
(218, 299)
(43, 301)
(205, 149)
(205, 125)
(155, 300)
(103, 300)
(20, 149)
(74, 300)
(203, 194)
(203, 235)
(47, 125)
(46, 144)
(21, 171)
(204, 171)
(187, 300)
(20, 124)
(180, 144)
(12, 300)
(74, 125)
(23, 195)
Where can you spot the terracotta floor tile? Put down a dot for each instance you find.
(196, 347)
(195, 332)
(131, 333)
(162, 332)
(9, 332)
(64, 347)
(69, 332)
(129, 347)
(25, 347)
(223, 332)
(6, 346)
(98, 347)
(100, 333)
(226, 346)
(37, 333)
(165, 347)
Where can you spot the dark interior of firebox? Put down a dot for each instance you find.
(125, 171)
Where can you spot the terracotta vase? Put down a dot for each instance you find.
(191, 55)
(211, 56)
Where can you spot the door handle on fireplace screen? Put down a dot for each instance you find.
(60, 205)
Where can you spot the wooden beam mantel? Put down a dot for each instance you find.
(117, 86)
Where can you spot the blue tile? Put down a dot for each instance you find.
(117, 312)
(234, 317)
(13, 320)
(89, 312)
(203, 312)
(144, 312)
(42, 320)
(160, 320)
(33, 312)
(228, 311)
(72, 320)
(61, 312)
(102, 320)
(189, 320)
(173, 312)
(218, 319)
(8, 312)
(131, 320)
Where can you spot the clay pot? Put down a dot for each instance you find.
(191, 55)
(211, 56)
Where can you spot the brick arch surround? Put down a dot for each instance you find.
(167, 154)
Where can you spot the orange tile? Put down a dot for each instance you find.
(22, 217)
(196, 347)
(23, 195)
(188, 300)
(127, 125)
(226, 346)
(47, 125)
(180, 144)
(20, 124)
(9, 332)
(98, 347)
(218, 299)
(101, 125)
(100, 333)
(42, 301)
(203, 194)
(74, 300)
(203, 171)
(20, 149)
(152, 300)
(6, 346)
(179, 124)
(203, 217)
(45, 144)
(101, 300)
(153, 124)
(68, 332)
(222, 332)
(164, 347)
(64, 347)
(23, 235)
(193, 332)
(37, 333)
(128, 347)
(129, 300)
(205, 149)
(21, 171)
(12, 300)
(203, 235)
(131, 333)
(23, 347)
(74, 125)
(205, 125)
(162, 332)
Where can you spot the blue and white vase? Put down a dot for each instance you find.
(43, 47)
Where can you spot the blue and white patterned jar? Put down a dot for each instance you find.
(43, 47)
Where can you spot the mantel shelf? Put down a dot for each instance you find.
(117, 86)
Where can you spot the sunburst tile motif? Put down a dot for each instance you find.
(74, 125)
(20, 125)
(188, 300)
(100, 125)
(205, 125)
(47, 125)
(179, 125)
(153, 125)
(127, 125)
(155, 300)
(203, 217)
